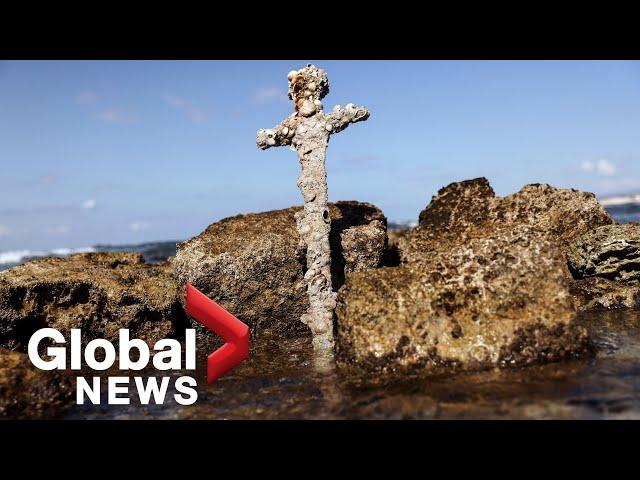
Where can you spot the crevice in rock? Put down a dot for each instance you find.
(24, 329)
(391, 257)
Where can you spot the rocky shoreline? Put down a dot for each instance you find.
(481, 282)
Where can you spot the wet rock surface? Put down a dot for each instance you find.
(605, 263)
(457, 287)
(483, 281)
(500, 301)
(278, 381)
(252, 264)
(29, 393)
(595, 293)
(611, 251)
(99, 293)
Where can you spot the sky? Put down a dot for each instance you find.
(115, 152)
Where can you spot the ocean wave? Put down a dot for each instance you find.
(17, 256)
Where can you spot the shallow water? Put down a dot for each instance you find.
(279, 381)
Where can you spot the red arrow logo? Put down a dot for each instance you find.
(216, 318)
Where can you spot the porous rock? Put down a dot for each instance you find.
(252, 264)
(483, 281)
(470, 209)
(605, 263)
(611, 251)
(496, 301)
(99, 293)
(597, 293)
(29, 393)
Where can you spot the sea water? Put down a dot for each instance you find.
(152, 252)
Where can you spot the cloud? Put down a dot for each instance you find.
(59, 229)
(4, 231)
(601, 167)
(176, 101)
(588, 166)
(606, 168)
(269, 94)
(139, 226)
(194, 113)
(89, 204)
(114, 115)
(86, 98)
(107, 114)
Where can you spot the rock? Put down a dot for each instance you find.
(97, 292)
(470, 209)
(252, 264)
(611, 251)
(483, 281)
(605, 263)
(491, 302)
(29, 393)
(596, 293)
(460, 205)
(362, 247)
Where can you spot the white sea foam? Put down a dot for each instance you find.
(17, 256)
(620, 200)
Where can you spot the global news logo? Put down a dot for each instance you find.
(167, 355)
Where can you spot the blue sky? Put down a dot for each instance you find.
(133, 151)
